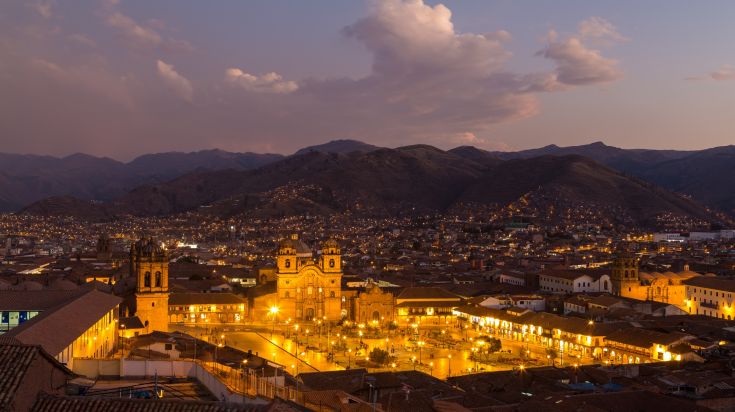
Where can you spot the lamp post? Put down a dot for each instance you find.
(273, 311)
(449, 366)
(421, 344)
(349, 352)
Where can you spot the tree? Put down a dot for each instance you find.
(379, 356)
(493, 345)
(552, 354)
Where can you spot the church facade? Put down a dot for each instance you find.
(667, 287)
(149, 265)
(308, 288)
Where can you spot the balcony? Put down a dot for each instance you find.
(708, 305)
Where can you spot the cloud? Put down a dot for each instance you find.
(599, 28)
(724, 73)
(136, 33)
(90, 79)
(577, 64)
(43, 8)
(176, 82)
(268, 83)
(428, 82)
(82, 40)
(145, 36)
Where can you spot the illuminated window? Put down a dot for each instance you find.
(331, 263)
(309, 290)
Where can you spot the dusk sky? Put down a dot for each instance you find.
(122, 78)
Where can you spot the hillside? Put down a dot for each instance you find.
(409, 179)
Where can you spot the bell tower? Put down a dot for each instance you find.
(149, 265)
(331, 261)
(286, 258)
(624, 276)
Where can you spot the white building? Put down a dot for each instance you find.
(574, 281)
(512, 278)
(535, 303)
(710, 296)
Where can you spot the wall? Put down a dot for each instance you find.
(93, 368)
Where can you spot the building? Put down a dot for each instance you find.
(535, 303)
(373, 305)
(574, 281)
(82, 326)
(633, 345)
(710, 296)
(667, 287)
(206, 308)
(27, 371)
(149, 266)
(426, 305)
(308, 288)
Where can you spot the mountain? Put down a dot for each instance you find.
(580, 185)
(411, 179)
(339, 146)
(27, 178)
(381, 180)
(624, 160)
(707, 175)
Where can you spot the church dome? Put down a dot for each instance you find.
(147, 247)
(331, 244)
(294, 246)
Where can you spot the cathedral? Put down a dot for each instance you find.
(668, 287)
(308, 288)
(149, 266)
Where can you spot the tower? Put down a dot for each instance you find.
(286, 258)
(149, 265)
(104, 252)
(624, 276)
(331, 257)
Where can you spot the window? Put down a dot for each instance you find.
(331, 294)
(158, 279)
(309, 290)
(147, 279)
(288, 263)
(288, 294)
(331, 263)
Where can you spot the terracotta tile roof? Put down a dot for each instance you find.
(712, 282)
(645, 338)
(50, 403)
(427, 292)
(205, 299)
(15, 359)
(57, 328)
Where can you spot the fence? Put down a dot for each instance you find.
(226, 383)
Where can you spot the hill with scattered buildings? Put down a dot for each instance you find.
(411, 179)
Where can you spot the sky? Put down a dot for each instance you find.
(121, 78)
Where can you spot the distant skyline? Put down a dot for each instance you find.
(122, 78)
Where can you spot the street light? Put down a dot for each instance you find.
(273, 312)
(449, 365)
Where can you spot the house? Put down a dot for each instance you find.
(25, 372)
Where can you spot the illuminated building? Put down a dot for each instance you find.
(308, 288)
(710, 296)
(149, 265)
(206, 308)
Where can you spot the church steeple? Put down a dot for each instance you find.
(149, 265)
(624, 274)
